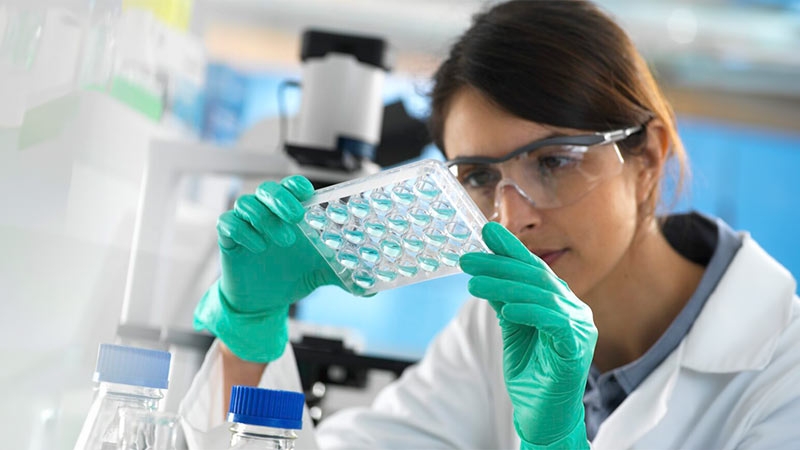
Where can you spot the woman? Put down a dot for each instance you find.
(594, 321)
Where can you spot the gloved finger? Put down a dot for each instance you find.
(552, 323)
(505, 268)
(503, 242)
(249, 209)
(299, 186)
(511, 291)
(496, 306)
(280, 201)
(508, 291)
(232, 231)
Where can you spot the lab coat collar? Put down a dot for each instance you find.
(739, 326)
(643, 408)
(737, 329)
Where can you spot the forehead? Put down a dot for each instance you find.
(474, 126)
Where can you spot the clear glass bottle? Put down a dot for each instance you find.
(264, 418)
(127, 377)
(147, 430)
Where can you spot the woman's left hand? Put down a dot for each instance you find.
(548, 339)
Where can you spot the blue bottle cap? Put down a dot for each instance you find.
(266, 407)
(133, 366)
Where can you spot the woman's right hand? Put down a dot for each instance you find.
(548, 339)
(267, 264)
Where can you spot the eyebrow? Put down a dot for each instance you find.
(550, 134)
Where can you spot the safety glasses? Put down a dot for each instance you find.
(548, 173)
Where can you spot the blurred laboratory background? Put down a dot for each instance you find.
(128, 126)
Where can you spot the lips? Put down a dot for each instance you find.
(549, 256)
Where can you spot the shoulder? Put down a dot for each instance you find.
(785, 362)
(771, 398)
(769, 394)
(472, 338)
(745, 317)
(476, 312)
(760, 263)
(477, 323)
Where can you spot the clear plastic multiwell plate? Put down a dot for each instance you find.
(394, 228)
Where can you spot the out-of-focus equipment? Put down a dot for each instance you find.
(403, 137)
(135, 54)
(339, 122)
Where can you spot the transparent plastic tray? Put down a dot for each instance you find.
(394, 228)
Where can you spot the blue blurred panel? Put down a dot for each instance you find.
(712, 160)
(769, 195)
(786, 5)
(237, 98)
(226, 99)
(400, 322)
(746, 176)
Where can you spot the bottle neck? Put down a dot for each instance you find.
(146, 397)
(262, 437)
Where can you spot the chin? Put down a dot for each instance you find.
(569, 274)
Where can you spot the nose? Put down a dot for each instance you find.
(514, 210)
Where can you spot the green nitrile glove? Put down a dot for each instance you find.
(548, 340)
(267, 264)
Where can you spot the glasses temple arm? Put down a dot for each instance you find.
(618, 135)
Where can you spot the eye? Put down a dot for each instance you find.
(553, 162)
(552, 159)
(477, 176)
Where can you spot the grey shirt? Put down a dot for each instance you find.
(705, 241)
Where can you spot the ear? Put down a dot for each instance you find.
(652, 160)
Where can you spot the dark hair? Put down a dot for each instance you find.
(560, 63)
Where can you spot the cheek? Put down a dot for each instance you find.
(601, 228)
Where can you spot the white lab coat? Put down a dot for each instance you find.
(732, 383)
